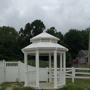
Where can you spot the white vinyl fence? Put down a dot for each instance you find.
(81, 73)
(14, 72)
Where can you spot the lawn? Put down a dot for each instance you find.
(10, 85)
(84, 65)
(80, 82)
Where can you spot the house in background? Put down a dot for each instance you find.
(82, 56)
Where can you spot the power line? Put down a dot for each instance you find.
(84, 23)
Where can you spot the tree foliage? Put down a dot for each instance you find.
(75, 41)
(37, 27)
(55, 33)
(30, 30)
(8, 42)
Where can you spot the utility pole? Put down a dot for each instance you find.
(89, 50)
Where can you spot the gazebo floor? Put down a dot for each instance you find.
(47, 86)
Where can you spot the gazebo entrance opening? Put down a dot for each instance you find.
(43, 44)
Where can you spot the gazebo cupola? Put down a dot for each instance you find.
(46, 44)
(44, 37)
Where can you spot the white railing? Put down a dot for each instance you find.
(31, 78)
(68, 72)
(60, 76)
(83, 73)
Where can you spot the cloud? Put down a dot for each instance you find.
(62, 14)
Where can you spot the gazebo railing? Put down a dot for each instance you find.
(60, 77)
(31, 78)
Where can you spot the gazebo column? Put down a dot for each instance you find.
(26, 68)
(37, 68)
(55, 69)
(64, 66)
(49, 67)
(60, 61)
(64, 61)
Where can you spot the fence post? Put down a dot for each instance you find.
(4, 70)
(47, 71)
(73, 74)
(19, 63)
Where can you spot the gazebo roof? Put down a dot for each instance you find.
(44, 35)
(44, 45)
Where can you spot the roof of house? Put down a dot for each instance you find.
(85, 52)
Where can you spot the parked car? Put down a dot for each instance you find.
(75, 61)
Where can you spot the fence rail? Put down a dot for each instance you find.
(81, 73)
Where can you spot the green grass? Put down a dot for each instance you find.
(85, 83)
(73, 86)
(80, 82)
(14, 86)
(83, 65)
(5, 85)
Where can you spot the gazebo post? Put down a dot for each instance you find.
(55, 68)
(64, 61)
(26, 68)
(60, 68)
(64, 66)
(37, 68)
(49, 67)
(60, 61)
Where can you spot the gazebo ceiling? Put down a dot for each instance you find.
(46, 44)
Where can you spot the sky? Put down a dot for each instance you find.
(61, 14)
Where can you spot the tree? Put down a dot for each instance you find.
(75, 41)
(68, 59)
(52, 31)
(30, 30)
(57, 34)
(85, 38)
(37, 27)
(24, 36)
(8, 43)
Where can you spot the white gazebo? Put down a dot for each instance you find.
(46, 44)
